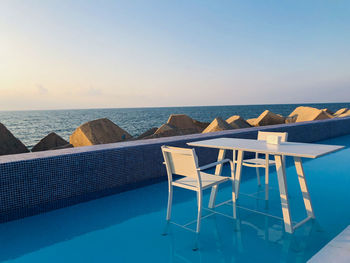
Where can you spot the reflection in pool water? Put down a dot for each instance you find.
(128, 227)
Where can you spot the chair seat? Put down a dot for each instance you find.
(257, 161)
(208, 180)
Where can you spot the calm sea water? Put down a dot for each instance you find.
(31, 126)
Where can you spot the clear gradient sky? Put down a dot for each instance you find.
(108, 54)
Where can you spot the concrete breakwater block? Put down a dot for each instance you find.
(309, 114)
(147, 133)
(341, 112)
(237, 122)
(346, 114)
(100, 131)
(268, 118)
(179, 124)
(184, 123)
(9, 144)
(218, 124)
(51, 142)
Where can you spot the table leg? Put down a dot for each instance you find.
(234, 160)
(267, 177)
(303, 187)
(237, 181)
(282, 184)
(238, 174)
(218, 171)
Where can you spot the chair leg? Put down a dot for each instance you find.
(267, 182)
(199, 199)
(170, 202)
(258, 175)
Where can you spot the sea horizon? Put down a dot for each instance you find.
(184, 106)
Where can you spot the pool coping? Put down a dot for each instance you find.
(34, 183)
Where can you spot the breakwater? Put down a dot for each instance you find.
(104, 131)
(31, 126)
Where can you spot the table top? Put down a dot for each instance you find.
(307, 150)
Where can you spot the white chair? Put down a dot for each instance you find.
(264, 162)
(184, 162)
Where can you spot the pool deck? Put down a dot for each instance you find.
(338, 250)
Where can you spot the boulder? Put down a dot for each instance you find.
(9, 144)
(341, 111)
(309, 114)
(99, 131)
(269, 118)
(217, 124)
(49, 142)
(237, 122)
(147, 133)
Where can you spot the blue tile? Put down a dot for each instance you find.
(34, 183)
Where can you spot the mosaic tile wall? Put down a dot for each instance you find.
(34, 183)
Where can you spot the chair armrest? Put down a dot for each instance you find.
(213, 164)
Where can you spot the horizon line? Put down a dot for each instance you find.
(187, 106)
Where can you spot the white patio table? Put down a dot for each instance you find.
(296, 150)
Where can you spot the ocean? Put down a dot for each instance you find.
(31, 126)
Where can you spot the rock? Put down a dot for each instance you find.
(99, 131)
(341, 111)
(237, 122)
(9, 144)
(309, 114)
(328, 111)
(269, 118)
(49, 142)
(147, 133)
(252, 121)
(217, 124)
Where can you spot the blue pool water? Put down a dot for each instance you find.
(31, 126)
(128, 227)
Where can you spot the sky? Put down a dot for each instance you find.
(111, 54)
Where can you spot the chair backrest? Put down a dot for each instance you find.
(180, 161)
(262, 136)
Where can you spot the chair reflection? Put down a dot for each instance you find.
(229, 240)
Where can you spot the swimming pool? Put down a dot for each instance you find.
(128, 227)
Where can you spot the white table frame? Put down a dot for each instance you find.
(285, 149)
